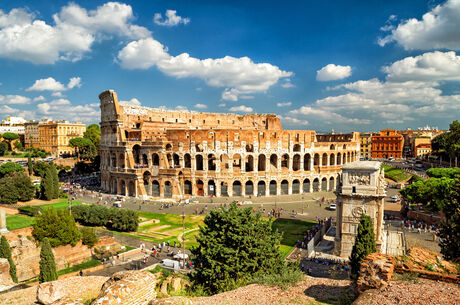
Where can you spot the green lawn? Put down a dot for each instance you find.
(88, 264)
(61, 203)
(395, 174)
(14, 222)
(293, 230)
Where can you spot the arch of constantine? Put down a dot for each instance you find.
(149, 152)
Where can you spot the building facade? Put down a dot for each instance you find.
(31, 134)
(361, 191)
(54, 136)
(422, 150)
(152, 152)
(388, 143)
(365, 146)
(13, 125)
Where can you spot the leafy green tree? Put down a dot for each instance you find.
(54, 175)
(89, 236)
(233, 246)
(123, 220)
(3, 148)
(451, 173)
(40, 168)
(30, 166)
(5, 252)
(47, 185)
(93, 133)
(47, 263)
(58, 226)
(18, 145)
(447, 145)
(364, 245)
(16, 187)
(10, 167)
(84, 147)
(10, 137)
(450, 226)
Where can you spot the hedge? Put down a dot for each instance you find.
(30, 210)
(122, 220)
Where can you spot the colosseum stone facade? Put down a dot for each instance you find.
(148, 152)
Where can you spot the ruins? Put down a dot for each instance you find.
(151, 152)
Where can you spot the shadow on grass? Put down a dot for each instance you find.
(340, 295)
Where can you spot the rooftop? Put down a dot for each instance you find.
(375, 165)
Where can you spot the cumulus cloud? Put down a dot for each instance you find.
(333, 72)
(287, 84)
(240, 76)
(14, 100)
(132, 102)
(50, 84)
(438, 29)
(285, 104)
(64, 109)
(171, 19)
(181, 108)
(241, 108)
(222, 105)
(39, 98)
(427, 67)
(200, 106)
(288, 120)
(24, 37)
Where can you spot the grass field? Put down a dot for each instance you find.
(293, 230)
(395, 174)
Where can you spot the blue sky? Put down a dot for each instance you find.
(342, 65)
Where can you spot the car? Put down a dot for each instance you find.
(332, 207)
(394, 198)
(117, 204)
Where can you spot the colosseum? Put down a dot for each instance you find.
(150, 152)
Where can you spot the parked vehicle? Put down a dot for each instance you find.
(170, 263)
(394, 198)
(117, 204)
(333, 207)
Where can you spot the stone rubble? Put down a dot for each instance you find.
(50, 292)
(376, 271)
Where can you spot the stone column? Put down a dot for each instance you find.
(289, 188)
(193, 160)
(162, 189)
(290, 162)
(3, 228)
(218, 194)
(205, 163)
(312, 162)
(267, 189)
(302, 163)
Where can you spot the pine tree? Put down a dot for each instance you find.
(450, 226)
(364, 245)
(30, 166)
(54, 175)
(47, 264)
(46, 185)
(5, 252)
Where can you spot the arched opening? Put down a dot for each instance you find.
(145, 160)
(306, 186)
(155, 188)
(284, 187)
(316, 160)
(332, 147)
(211, 188)
(155, 159)
(324, 162)
(237, 162)
(187, 161)
(249, 188)
(296, 147)
(199, 188)
(249, 163)
(249, 148)
(123, 187)
(168, 147)
(344, 157)
(295, 186)
(261, 188)
(236, 188)
(114, 160)
(121, 160)
(272, 187)
(316, 185)
(339, 159)
(114, 186)
(331, 184)
(136, 154)
(348, 157)
(261, 163)
(332, 159)
(344, 146)
(198, 148)
(199, 162)
(211, 162)
(131, 189)
(273, 163)
(187, 187)
(306, 162)
(285, 161)
(176, 162)
(324, 184)
(168, 189)
(224, 189)
(296, 163)
(224, 163)
(147, 176)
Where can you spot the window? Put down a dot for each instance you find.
(204, 121)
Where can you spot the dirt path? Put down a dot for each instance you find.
(179, 237)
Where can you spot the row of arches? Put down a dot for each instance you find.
(250, 147)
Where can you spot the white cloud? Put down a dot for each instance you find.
(292, 121)
(240, 76)
(132, 102)
(171, 19)
(182, 108)
(57, 94)
(23, 37)
(14, 99)
(241, 108)
(438, 29)
(5, 109)
(74, 82)
(39, 98)
(427, 67)
(284, 104)
(222, 105)
(200, 106)
(333, 72)
(287, 84)
(64, 109)
(50, 84)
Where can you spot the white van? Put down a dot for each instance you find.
(170, 263)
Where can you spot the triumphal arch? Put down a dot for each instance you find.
(151, 152)
(360, 191)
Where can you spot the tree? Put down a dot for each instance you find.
(447, 145)
(56, 225)
(5, 252)
(10, 137)
(3, 148)
(450, 227)
(16, 187)
(364, 245)
(10, 167)
(47, 263)
(46, 186)
(30, 166)
(18, 145)
(234, 245)
(93, 133)
(55, 177)
(84, 147)
(444, 172)
(40, 168)
(89, 236)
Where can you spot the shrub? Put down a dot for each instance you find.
(16, 187)
(56, 225)
(89, 236)
(47, 263)
(288, 277)
(30, 210)
(5, 252)
(96, 215)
